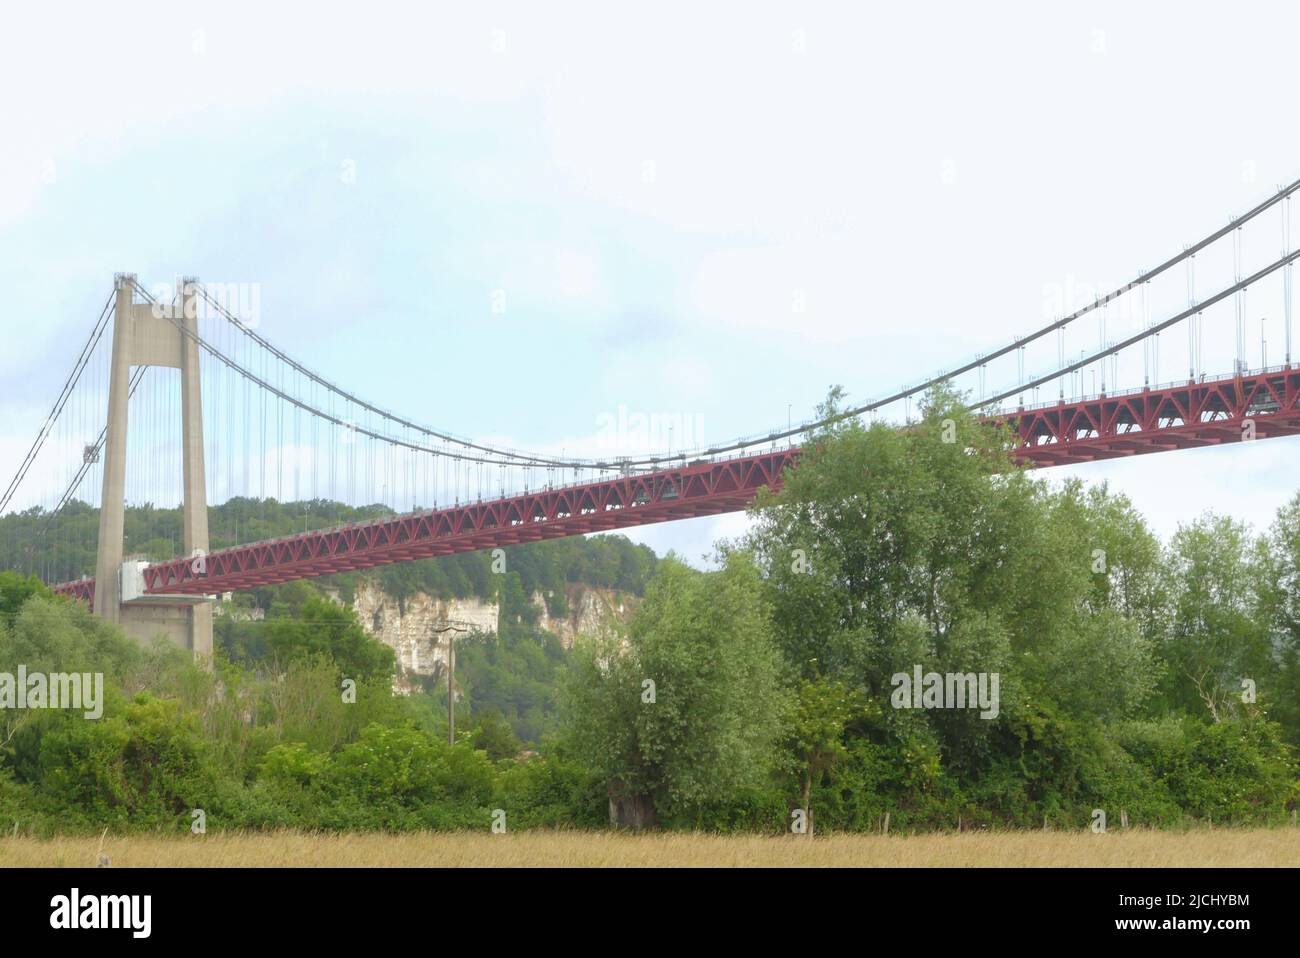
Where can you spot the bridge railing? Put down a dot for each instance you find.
(1138, 390)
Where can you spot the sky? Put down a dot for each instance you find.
(520, 224)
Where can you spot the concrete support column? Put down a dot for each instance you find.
(195, 511)
(195, 514)
(112, 519)
(149, 336)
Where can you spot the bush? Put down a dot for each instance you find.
(552, 793)
(145, 765)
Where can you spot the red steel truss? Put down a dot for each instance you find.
(1186, 416)
(700, 489)
(83, 589)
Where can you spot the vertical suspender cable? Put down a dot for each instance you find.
(1286, 274)
(1060, 356)
(1148, 347)
(1191, 322)
(1240, 299)
(1104, 312)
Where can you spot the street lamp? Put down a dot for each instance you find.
(451, 679)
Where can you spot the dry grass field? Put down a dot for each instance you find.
(1208, 848)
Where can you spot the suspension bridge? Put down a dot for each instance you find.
(187, 404)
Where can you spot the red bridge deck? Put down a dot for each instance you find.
(1141, 421)
(1186, 416)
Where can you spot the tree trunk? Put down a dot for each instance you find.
(807, 803)
(631, 811)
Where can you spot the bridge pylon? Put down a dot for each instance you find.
(146, 334)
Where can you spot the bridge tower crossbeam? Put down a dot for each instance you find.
(151, 335)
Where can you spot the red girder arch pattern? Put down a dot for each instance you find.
(83, 589)
(701, 489)
(1151, 420)
(1187, 416)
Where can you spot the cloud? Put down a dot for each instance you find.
(1249, 481)
(694, 540)
(712, 214)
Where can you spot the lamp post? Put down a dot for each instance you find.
(451, 679)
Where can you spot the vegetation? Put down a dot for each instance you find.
(685, 718)
(1157, 683)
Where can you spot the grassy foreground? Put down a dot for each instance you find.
(1209, 848)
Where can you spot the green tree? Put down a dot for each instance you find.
(491, 733)
(821, 711)
(890, 549)
(1280, 610)
(15, 590)
(878, 525)
(146, 763)
(1216, 634)
(325, 627)
(688, 710)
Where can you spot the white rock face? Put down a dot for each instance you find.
(588, 609)
(408, 628)
(226, 607)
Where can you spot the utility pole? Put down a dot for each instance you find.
(451, 679)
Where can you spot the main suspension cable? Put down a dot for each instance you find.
(516, 457)
(68, 386)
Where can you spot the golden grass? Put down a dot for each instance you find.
(1208, 848)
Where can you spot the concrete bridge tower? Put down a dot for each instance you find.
(147, 334)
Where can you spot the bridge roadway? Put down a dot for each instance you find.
(1187, 415)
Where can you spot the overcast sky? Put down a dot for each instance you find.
(709, 211)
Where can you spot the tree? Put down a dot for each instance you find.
(491, 733)
(821, 711)
(877, 525)
(891, 549)
(1216, 635)
(686, 709)
(15, 590)
(325, 627)
(1280, 565)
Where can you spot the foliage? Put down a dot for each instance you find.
(688, 711)
(326, 628)
(1158, 681)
